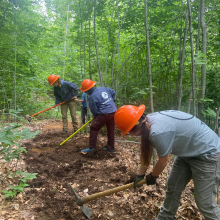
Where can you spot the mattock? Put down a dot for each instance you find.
(80, 201)
(28, 117)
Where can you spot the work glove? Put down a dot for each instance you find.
(151, 180)
(137, 179)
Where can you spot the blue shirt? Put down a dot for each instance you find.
(86, 99)
(181, 134)
(65, 92)
(101, 101)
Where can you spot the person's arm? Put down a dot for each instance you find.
(93, 107)
(151, 177)
(112, 92)
(57, 98)
(160, 165)
(79, 100)
(142, 170)
(75, 88)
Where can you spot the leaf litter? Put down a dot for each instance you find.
(49, 196)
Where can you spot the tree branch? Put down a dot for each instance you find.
(211, 13)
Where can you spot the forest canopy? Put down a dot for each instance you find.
(164, 54)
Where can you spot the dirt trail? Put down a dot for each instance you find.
(49, 196)
(57, 166)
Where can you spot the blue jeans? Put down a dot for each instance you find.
(205, 172)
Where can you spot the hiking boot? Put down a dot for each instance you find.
(87, 150)
(64, 131)
(105, 148)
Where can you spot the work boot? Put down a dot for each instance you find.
(64, 131)
(105, 148)
(87, 150)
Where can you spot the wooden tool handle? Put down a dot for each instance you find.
(110, 191)
(51, 107)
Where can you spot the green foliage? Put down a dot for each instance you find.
(10, 149)
(40, 38)
(199, 58)
(20, 187)
(206, 100)
(210, 112)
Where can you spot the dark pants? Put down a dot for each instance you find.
(83, 114)
(97, 123)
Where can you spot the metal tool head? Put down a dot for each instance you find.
(84, 209)
(28, 118)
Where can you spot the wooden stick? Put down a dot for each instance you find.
(128, 142)
(89, 198)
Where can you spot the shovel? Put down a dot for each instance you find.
(29, 117)
(76, 131)
(80, 201)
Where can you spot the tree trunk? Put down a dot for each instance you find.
(192, 58)
(189, 102)
(3, 16)
(149, 57)
(203, 67)
(149, 70)
(15, 96)
(196, 53)
(90, 70)
(80, 44)
(117, 45)
(181, 68)
(96, 47)
(64, 62)
(204, 45)
(84, 57)
(106, 64)
(119, 26)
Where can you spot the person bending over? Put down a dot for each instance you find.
(102, 106)
(197, 150)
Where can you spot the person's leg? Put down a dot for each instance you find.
(81, 114)
(64, 109)
(206, 177)
(84, 110)
(72, 108)
(179, 176)
(97, 123)
(111, 131)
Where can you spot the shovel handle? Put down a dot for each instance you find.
(51, 107)
(86, 199)
(76, 131)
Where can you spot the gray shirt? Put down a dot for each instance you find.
(181, 134)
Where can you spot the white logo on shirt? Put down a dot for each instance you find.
(105, 95)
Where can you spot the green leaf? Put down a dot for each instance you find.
(207, 100)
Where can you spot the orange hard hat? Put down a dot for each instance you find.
(86, 85)
(52, 79)
(127, 116)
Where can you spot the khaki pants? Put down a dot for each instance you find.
(72, 107)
